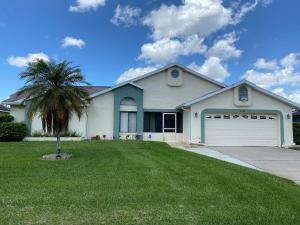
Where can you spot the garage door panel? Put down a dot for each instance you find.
(254, 130)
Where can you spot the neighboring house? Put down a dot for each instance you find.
(4, 109)
(176, 104)
(296, 116)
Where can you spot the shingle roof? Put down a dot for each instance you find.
(90, 89)
(3, 108)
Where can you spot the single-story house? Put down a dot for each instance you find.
(296, 116)
(177, 104)
(4, 109)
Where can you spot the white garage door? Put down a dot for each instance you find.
(241, 130)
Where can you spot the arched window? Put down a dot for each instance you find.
(243, 94)
(128, 101)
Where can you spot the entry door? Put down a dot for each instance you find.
(242, 130)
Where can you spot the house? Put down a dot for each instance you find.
(3, 109)
(296, 116)
(177, 104)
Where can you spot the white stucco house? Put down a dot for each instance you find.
(177, 104)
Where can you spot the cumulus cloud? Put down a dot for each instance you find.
(213, 68)
(168, 50)
(73, 42)
(192, 17)
(126, 15)
(283, 74)
(20, 61)
(262, 63)
(225, 48)
(86, 5)
(293, 96)
(135, 72)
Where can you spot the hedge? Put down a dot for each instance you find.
(6, 118)
(296, 131)
(12, 131)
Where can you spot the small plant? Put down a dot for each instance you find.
(63, 134)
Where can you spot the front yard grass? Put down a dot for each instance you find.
(137, 183)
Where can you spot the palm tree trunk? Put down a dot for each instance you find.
(58, 144)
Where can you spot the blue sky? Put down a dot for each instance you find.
(113, 41)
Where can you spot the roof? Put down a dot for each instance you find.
(3, 108)
(193, 72)
(18, 99)
(254, 86)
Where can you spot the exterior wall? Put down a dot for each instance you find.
(186, 126)
(225, 100)
(18, 112)
(101, 116)
(158, 95)
(163, 137)
(78, 125)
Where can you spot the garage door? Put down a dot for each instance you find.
(241, 130)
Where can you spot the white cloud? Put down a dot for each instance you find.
(168, 50)
(135, 72)
(284, 74)
(192, 17)
(86, 5)
(73, 42)
(262, 63)
(20, 61)
(225, 48)
(294, 96)
(126, 15)
(213, 68)
(244, 10)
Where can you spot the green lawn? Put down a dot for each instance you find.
(137, 183)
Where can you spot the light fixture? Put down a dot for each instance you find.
(288, 116)
(196, 114)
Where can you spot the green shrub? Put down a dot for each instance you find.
(12, 131)
(296, 131)
(6, 118)
(63, 134)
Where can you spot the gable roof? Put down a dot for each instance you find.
(193, 72)
(15, 99)
(254, 86)
(4, 108)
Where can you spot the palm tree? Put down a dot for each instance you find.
(54, 94)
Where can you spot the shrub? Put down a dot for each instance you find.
(63, 134)
(296, 131)
(12, 131)
(6, 118)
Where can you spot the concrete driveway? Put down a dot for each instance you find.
(278, 161)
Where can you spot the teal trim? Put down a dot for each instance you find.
(128, 91)
(161, 110)
(241, 111)
(26, 118)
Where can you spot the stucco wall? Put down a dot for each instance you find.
(225, 101)
(158, 95)
(186, 126)
(101, 116)
(18, 112)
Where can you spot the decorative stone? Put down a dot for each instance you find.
(55, 156)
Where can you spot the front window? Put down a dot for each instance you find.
(243, 94)
(128, 122)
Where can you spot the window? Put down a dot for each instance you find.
(169, 122)
(235, 116)
(217, 117)
(243, 94)
(175, 73)
(253, 117)
(128, 122)
(153, 122)
(226, 117)
(128, 101)
(271, 118)
(263, 117)
(245, 116)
